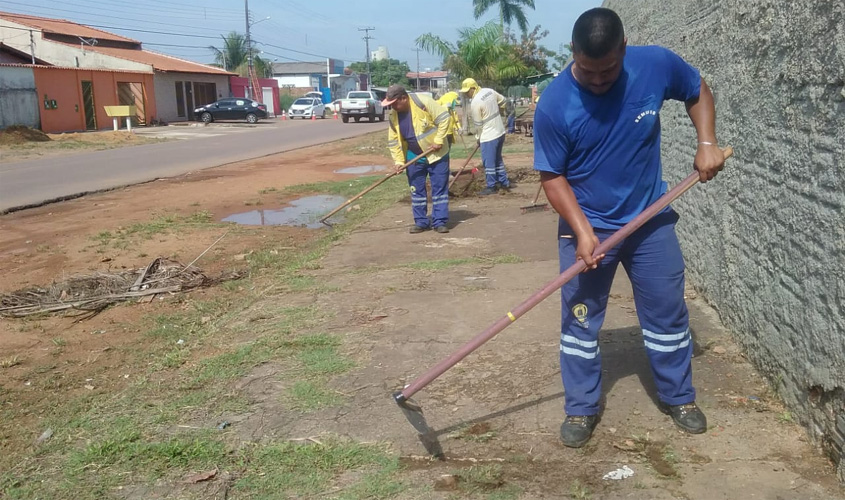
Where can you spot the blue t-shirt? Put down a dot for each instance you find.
(608, 146)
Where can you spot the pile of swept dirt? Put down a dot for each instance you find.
(110, 137)
(17, 134)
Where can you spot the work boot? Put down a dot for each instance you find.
(441, 229)
(488, 191)
(688, 417)
(576, 430)
(418, 229)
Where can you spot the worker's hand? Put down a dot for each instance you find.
(587, 244)
(709, 160)
(436, 147)
(399, 167)
(478, 141)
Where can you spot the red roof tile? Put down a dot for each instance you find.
(428, 74)
(62, 27)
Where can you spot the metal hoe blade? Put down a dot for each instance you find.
(414, 414)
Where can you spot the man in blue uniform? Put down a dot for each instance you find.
(597, 147)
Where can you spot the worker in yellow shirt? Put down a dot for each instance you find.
(449, 100)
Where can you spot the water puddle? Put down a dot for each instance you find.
(364, 169)
(304, 212)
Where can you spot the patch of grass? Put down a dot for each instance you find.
(480, 478)
(267, 190)
(785, 418)
(104, 461)
(9, 362)
(58, 341)
(324, 360)
(145, 230)
(307, 395)
(291, 470)
(438, 265)
(506, 492)
(579, 490)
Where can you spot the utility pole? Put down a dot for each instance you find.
(248, 49)
(367, 39)
(32, 47)
(418, 68)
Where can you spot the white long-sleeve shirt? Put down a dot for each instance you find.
(484, 111)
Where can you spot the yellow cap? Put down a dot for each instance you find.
(468, 84)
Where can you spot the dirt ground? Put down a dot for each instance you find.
(400, 303)
(21, 143)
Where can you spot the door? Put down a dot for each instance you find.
(132, 94)
(189, 100)
(267, 93)
(88, 105)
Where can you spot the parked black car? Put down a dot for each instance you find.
(232, 108)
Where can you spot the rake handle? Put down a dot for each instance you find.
(464, 165)
(537, 196)
(573, 270)
(378, 183)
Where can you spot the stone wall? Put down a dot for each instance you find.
(765, 242)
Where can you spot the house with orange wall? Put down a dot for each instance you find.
(177, 86)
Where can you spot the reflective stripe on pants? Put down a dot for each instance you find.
(654, 263)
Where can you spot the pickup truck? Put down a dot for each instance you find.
(360, 103)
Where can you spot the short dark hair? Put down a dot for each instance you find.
(597, 32)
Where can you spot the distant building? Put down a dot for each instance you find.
(177, 86)
(429, 81)
(380, 54)
(297, 78)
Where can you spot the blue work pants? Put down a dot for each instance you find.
(494, 165)
(438, 172)
(652, 258)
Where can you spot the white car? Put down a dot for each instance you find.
(305, 107)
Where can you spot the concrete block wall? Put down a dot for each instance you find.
(765, 242)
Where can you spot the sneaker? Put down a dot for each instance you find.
(418, 229)
(576, 430)
(441, 229)
(688, 417)
(488, 191)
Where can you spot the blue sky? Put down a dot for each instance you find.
(297, 30)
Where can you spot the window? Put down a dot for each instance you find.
(180, 100)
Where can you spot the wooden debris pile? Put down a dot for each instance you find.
(90, 294)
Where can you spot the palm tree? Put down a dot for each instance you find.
(233, 56)
(480, 53)
(509, 11)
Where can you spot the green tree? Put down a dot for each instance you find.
(385, 72)
(480, 53)
(233, 55)
(527, 49)
(561, 57)
(509, 11)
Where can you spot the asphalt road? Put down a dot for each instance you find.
(33, 182)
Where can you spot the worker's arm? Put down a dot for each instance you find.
(560, 195)
(501, 102)
(477, 118)
(394, 144)
(709, 159)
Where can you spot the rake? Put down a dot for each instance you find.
(534, 207)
